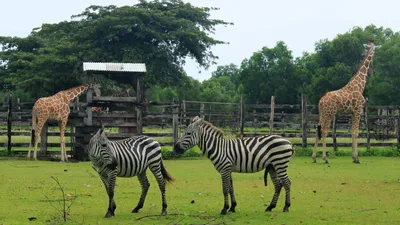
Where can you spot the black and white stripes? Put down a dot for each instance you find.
(248, 155)
(127, 158)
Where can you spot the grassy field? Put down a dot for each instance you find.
(339, 193)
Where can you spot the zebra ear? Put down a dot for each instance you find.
(101, 129)
(196, 118)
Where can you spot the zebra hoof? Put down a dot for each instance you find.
(269, 208)
(135, 210)
(109, 214)
(356, 161)
(223, 212)
(285, 209)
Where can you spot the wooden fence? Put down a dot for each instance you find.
(167, 121)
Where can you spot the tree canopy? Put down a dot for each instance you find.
(159, 33)
(163, 34)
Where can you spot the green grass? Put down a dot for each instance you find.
(339, 193)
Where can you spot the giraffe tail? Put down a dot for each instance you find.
(319, 132)
(33, 126)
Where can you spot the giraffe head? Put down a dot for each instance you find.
(96, 88)
(370, 48)
(191, 136)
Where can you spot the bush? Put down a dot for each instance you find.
(386, 152)
(167, 153)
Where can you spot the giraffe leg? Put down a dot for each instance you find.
(314, 155)
(144, 182)
(324, 130)
(354, 135)
(38, 131)
(63, 125)
(225, 175)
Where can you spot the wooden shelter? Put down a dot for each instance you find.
(128, 121)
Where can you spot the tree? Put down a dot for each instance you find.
(385, 81)
(218, 89)
(231, 71)
(159, 33)
(335, 62)
(270, 72)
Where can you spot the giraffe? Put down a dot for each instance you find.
(56, 107)
(347, 100)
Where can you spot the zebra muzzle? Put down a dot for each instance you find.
(178, 149)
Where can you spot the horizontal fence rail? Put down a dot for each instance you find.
(165, 122)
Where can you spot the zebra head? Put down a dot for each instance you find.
(99, 146)
(191, 136)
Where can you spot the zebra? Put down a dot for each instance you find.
(248, 155)
(128, 158)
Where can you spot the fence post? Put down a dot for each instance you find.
(367, 125)
(9, 122)
(89, 98)
(335, 147)
(43, 140)
(241, 117)
(304, 120)
(163, 121)
(175, 123)
(397, 123)
(202, 110)
(139, 109)
(271, 118)
(184, 112)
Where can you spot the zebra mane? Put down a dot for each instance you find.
(214, 128)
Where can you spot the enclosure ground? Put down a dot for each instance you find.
(338, 193)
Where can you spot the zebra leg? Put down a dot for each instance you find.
(277, 186)
(226, 187)
(144, 182)
(161, 183)
(109, 183)
(232, 194)
(286, 184)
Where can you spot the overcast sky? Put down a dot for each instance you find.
(258, 23)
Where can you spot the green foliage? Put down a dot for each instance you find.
(191, 153)
(268, 72)
(159, 33)
(386, 152)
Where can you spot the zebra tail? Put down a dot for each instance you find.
(265, 177)
(165, 174)
(266, 174)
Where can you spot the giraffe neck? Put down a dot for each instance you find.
(359, 80)
(74, 92)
